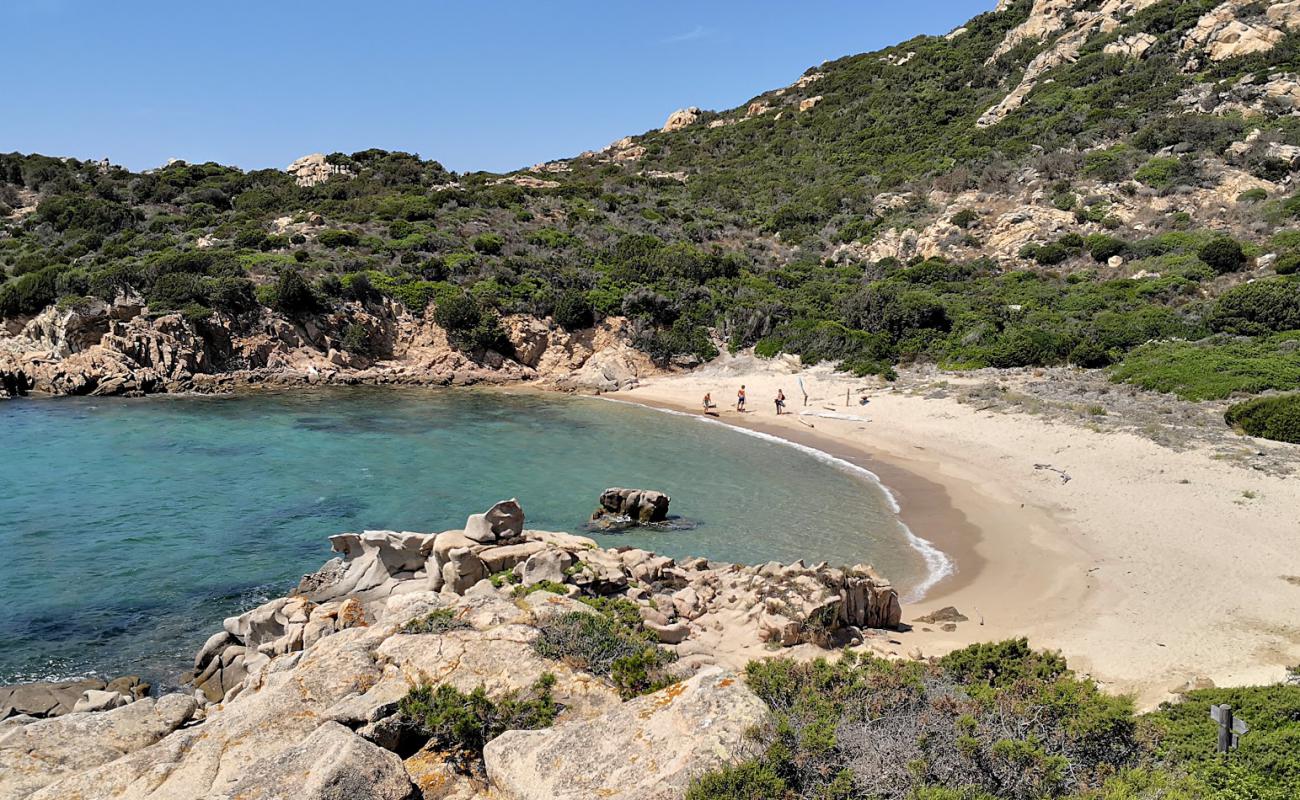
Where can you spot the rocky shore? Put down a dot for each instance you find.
(300, 697)
(98, 348)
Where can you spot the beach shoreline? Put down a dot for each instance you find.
(1115, 567)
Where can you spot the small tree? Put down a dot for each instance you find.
(293, 296)
(1223, 254)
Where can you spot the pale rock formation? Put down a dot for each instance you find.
(682, 118)
(648, 749)
(503, 521)
(1223, 33)
(37, 752)
(757, 109)
(1134, 46)
(1278, 95)
(810, 103)
(332, 763)
(100, 700)
(313, 169)
(527, 182)
(53, 699)
(807, 80)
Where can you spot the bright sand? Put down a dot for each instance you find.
(1150, 567)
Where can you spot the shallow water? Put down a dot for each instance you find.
(132, 527)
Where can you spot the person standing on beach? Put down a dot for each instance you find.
(780, 402)
(740, 398)
(708, 402)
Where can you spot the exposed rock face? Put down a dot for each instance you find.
(646, 749)
(641, 505)
(100, 349)
(682, 118)
(1134, 46)
(35, 753)
(1227, 32)
(313, 169)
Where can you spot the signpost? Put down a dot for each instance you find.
(1230, 728)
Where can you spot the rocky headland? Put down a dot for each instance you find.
(304, 696)
(122, 348)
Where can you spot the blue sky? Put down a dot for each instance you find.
(477, 85)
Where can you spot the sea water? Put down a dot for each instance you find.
(130, 528)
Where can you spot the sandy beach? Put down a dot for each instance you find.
(1148, 568)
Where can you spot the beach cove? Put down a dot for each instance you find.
(1137, 568)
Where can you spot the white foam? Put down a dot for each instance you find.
(938, 564)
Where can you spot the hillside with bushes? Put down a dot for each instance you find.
(1101, 184)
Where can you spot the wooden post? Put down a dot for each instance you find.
(846, 398)
(1225, 728)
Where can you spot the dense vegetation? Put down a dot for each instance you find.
(746, 250)
(1270, 417)
(999, 721)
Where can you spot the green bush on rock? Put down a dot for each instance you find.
(609, 644)
(462, 724)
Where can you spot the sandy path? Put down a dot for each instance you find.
(1148, 568)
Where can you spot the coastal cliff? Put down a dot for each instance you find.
(304, 696)
(122, 348)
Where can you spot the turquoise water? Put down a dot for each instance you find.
(132, 527)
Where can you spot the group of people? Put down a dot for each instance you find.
(709, 405)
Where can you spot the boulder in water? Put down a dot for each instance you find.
(638, 505)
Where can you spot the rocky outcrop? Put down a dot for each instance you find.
(639, 505)
(35, 753)
(602, 358)
(716, 613)
(682, 118)
(52, 699)
(296, 698)
(1231, 30)
(1134, 46)
(95, 348)
(646, 749)
(315, 168)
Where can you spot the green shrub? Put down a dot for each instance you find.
(469, 324)
(604, 645)
(1262, 307)
(293, 296)
(1252, 195)
(573, 311)
(1276, 418)
(965, 218)
(1223, 254)
(990, 721)
(1267, 764)
(1287, 264)
(1102, 247)
(28, 294)
(333, 238)
(488, 243)
(1216, 369)
(440, 620)
(461, 724)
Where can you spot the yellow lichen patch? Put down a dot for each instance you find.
(662, 699)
